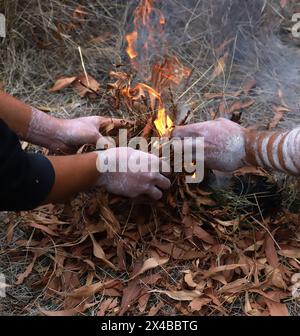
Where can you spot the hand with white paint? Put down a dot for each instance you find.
(224, 143)
(132, 173)
(66, 135)
(229, 146)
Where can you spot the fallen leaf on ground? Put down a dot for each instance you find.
(280, 111)
(62, 83)
(150, 264)
(21, 277)
(197, 304)
(290, 253)
(155, 309)
(82, 84)
(277, 309)
(183, 295)
(99, 253)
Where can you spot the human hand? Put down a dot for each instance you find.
(141, 177)
(73, 133)
(224, 143)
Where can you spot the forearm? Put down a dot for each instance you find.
(15, 114)
(73, 174)
(28, 123)
(275, 150)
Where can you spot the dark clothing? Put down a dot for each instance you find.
(25, 179)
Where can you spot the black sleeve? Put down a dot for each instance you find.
(25, 179)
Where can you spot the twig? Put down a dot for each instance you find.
(183, 122)
(89, 88)
(83, 66)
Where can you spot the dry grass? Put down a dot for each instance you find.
(32, 57)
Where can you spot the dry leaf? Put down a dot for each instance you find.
(150, 264)
(280, 111)
(188, 278)
(271, 252)
(43, 228)
(62, 83)
(194, 229)
(183, 295)
(99, 253)
(21, 277)
(197, 304)
(290, 253)
(107, 305)
(214, 270)
(143, 300)
(90, 290)
(83, 84)
(155, 309)
(67, 312)
(277, 309)
(130, 294)
(240, 105)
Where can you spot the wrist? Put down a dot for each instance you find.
(103, 165)
(45, 130)
(73, 174)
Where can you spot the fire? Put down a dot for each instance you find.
(131, 38)
(163, 122)
(148, 31)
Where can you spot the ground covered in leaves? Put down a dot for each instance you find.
(202, 250)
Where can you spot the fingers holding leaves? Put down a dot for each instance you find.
(110, 126)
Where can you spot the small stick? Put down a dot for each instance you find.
(183, 122)
(83, 66)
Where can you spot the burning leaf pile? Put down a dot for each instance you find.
(187, 254)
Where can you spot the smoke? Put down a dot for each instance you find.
(201, 31)
(257, 47)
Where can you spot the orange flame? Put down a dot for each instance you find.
(131, 38)
(147, 33)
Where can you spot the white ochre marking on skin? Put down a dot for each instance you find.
(275, 153)
(290, 147)
(41, 127)
(256, 152)
(264, 150)
(287, 145)
(295, 148)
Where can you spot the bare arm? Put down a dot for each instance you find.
(59, 135)
(229, 146)
(16, 114)
(73, 174)
(275, 150)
